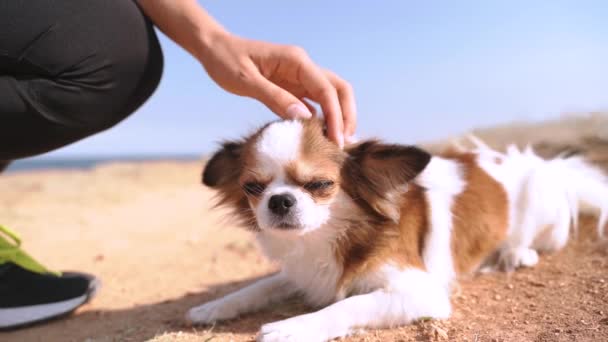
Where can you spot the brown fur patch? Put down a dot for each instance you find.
(302, 172)
(393, 217)
(480, 216)
(369, 243)
(319, 160)
(316, 146)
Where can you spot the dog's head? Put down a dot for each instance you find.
(287, 176)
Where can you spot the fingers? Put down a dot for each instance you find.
(277, 99)
(285, 76)
(346, 96)
(322, 91)
(309, 105)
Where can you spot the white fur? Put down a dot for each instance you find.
(407, 295)
(544, 197)
(443, 181)
(307, 261)
(248, 299)
(279, 144)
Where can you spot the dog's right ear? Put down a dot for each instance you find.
(224, 167)
(222, 173)
(375, 174)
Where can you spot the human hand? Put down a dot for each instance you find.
(283, 78)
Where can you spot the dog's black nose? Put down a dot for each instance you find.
(280, 204)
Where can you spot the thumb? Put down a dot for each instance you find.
(279, 100)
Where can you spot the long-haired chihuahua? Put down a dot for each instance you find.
(375, 234)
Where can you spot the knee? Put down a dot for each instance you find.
(135, 76)
(120, 69)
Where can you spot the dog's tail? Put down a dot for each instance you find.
(548, 195)
(586, 188)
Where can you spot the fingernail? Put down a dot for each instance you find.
(341, 140)
(298, 111)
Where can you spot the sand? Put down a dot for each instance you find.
(148, 231)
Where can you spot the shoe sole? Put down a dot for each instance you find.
(15, 318)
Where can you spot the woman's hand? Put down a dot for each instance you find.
(282, 77)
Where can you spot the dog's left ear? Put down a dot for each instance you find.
(225, 165)
(375, 174)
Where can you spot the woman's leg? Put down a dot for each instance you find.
(68, 69)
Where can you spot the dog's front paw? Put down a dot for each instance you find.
(514, 258)
(217, 310)
(297, 329)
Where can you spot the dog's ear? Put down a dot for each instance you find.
(225, 166)
(222, 173)
(375, 174)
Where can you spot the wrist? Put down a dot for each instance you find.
(208, 39)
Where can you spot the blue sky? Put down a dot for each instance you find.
(421, 70)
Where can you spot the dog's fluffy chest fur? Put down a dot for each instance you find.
(308, 263)
(311, 267)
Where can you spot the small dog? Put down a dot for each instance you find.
(375, 234)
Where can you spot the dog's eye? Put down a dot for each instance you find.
(318, 185)
(254, 188)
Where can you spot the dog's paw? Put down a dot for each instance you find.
(217, 310)
(511, 259)
(297, 329)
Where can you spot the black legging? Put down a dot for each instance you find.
(70, 69)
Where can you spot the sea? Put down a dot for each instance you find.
(83, 163)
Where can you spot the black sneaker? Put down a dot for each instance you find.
(27, 297)
(29, 292)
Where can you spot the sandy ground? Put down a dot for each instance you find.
(148, 232)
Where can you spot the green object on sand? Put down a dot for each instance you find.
(10, 251)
